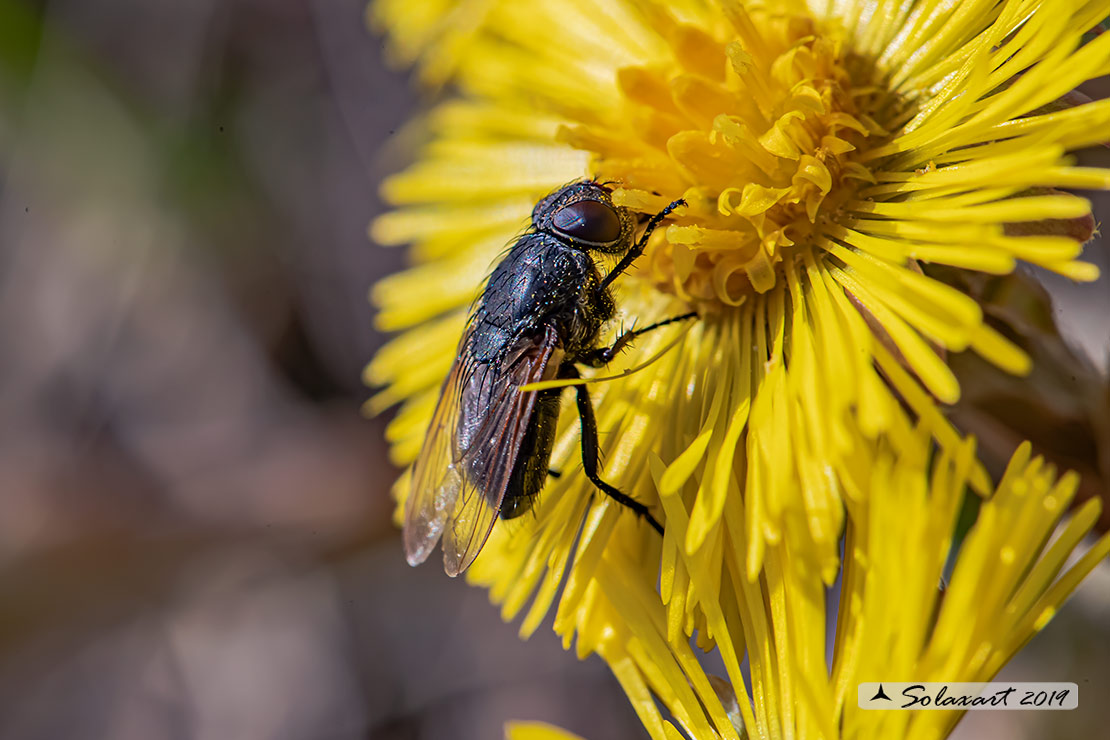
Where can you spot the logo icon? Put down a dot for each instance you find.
(880, 694)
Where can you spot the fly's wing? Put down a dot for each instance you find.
(436, 477)
(487, 463)
(463, 469)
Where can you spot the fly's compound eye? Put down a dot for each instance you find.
(588, 221)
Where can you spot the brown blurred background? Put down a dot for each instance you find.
(194, 518)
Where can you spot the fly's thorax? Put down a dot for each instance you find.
(583, 329)
(578, 321)
(541, 282)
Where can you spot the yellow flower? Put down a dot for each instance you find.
(536, 731)
(829, 153)
(893, 622)
(825, 153)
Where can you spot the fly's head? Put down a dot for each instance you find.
(582, 215)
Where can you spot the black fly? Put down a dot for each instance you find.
(489, 444)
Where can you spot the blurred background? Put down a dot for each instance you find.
(195, 536)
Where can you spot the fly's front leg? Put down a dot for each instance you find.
(638, 248)
(590, 451)
(604, 355)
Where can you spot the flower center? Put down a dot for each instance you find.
(758, 134)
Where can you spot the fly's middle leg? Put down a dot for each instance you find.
(604, 355)
(590, 451)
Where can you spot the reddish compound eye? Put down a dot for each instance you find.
(588, 221)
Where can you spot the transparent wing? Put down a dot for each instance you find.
(436, 479)
(462, 472)
(492, 450)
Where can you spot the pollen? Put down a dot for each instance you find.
(757, 132)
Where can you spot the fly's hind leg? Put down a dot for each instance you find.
(604, 355)
(590, 451)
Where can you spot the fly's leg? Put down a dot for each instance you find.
(604, 355)
(590, 451)
(638, 248)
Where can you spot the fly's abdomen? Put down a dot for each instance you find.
(534, 459)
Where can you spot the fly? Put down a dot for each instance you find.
(488, 448)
